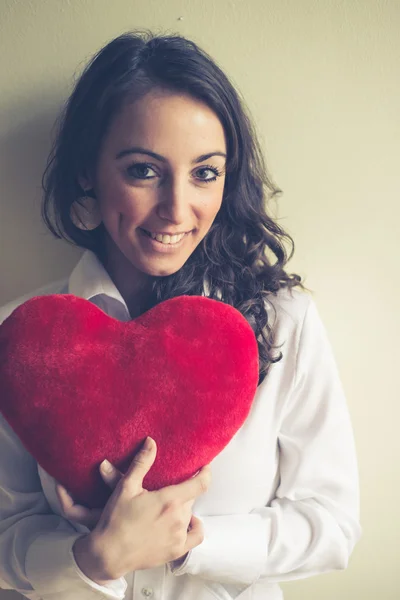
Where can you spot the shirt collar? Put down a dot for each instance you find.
(89, 279)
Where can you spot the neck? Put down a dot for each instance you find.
(133, 285)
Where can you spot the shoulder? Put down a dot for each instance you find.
(59, 286)
(298, 326)
(289, 306)
(288, 312)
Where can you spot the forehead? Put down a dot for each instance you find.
(164, 121)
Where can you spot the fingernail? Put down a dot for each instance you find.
(106, 466)
(148, 443)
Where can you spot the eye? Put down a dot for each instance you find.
(138, 171)
(217, 173)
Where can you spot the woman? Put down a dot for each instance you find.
(156, 172)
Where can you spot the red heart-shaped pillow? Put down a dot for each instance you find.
(78, 386)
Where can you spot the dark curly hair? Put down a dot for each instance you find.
(232, 259)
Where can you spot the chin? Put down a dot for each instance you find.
(165, 272)
(155, 271)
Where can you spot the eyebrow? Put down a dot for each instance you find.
(139, 150)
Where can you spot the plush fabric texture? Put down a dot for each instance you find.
(78, 386)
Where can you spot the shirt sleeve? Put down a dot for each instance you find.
(36, 557)
(312, 524)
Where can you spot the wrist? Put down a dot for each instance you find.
(90, 560)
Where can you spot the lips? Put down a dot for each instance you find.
(164, 233)
(158, 240)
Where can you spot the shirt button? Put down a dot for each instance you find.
(147, 592)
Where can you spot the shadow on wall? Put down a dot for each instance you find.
(27, 258)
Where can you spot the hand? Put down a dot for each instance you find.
(82, 514)
(90, 517)
(138, 529)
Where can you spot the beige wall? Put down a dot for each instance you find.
(322, 80)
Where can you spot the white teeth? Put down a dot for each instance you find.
(167, 239)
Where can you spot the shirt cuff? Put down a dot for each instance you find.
(177, 567)
(54, 574)
(234, 550)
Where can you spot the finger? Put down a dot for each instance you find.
(110, 474)
(195, 533)
(192, 518)
(76, 512)
(84, 516)
(64, 498)
(94, 517)
(140, 465)
(193, 487)
(189, 504)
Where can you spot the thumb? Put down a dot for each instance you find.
(139, 467)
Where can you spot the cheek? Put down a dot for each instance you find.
(130, 202)
(114, 190)
(212, 207)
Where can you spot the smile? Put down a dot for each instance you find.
(163, 242)
(165, 238)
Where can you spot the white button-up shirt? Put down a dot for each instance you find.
(283, 503)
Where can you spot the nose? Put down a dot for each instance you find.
(174, 205)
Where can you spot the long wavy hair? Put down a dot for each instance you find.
(242, 258)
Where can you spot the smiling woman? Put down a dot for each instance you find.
(167, 197)
(155, 139)
(157, 173)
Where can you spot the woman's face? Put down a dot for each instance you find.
(161, 172)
